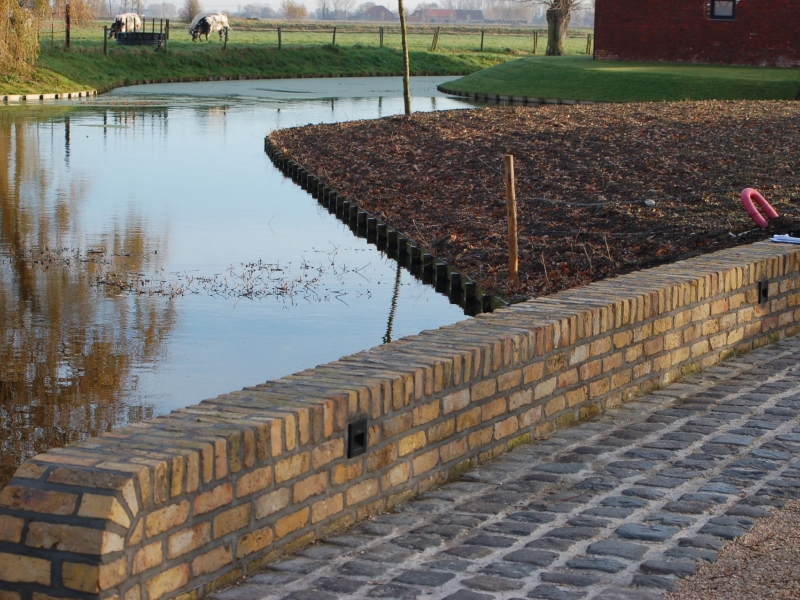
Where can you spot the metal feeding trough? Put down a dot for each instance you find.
(138, 38)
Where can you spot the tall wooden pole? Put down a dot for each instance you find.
(67, 25)
(511, 209)
(406, 67)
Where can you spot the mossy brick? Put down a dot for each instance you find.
(38, 500)
(188, 539)
(167, 581)
(291, 522)
(16, 568)
(555, 363)
(253, 541)
(271, 503)
(72, 538)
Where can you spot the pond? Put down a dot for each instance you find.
(151, 256)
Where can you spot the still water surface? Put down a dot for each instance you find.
(151, 256)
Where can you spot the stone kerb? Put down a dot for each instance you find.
(188, 502)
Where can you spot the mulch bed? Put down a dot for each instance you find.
(583, 175)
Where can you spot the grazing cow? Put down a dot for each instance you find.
(208, 22)
(124, 23)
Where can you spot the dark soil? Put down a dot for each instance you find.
(583, 174)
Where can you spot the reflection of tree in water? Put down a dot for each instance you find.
(67, 351)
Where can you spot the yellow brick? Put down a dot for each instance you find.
(93, 578)
(600, 387)
(412, 443)
(520, 398)
(578, 354)
(325, 508)
(253, 482)
(662, 362)
(441, 430)
(326, 452)
(213, 499)
(700, 348)
(71, 538)
(532, 373)
(36, 500)
(575, 397)
(310, 486)
(188, 539)
(254, 541)
(455, 401)
(231, 520)
(425, 413)
(103, 507)
(481, 437)
(545, 388)
(680, 355)
(468, 419)
(271, 503)
(482, 390)
(556, 363)
(395, 476)
(212, 561)
(701, 312)
(506, 427)
(719, 306)
(555, 405)
(291, 467)
(509, 380)
(643, 369)
(361, 491)
(529, 417)
(168, 581)
(568, 378)
(293, 522)
(662, 325)
(454, 450)
(11, 529)
(425, 462)
(147, 557)
(24, 569)
(378, 459)
(492, 409)
(621, 378)
(622, 339)
(600, 346)
(397, 425)
(591, 369)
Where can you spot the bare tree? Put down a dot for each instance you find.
(558, 16)
(293, 10)
(324, 9)
(191, 8)
(342, 7)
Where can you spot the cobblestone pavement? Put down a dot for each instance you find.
(616, 508)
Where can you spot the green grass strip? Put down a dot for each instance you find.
(581, 78)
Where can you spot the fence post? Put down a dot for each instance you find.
(511, 210)
(535, 40)
(381, 35)
(66, 25)
(482, 33)
(279, 37)
(105, 40)
(333, 43)
(588, 43)
(166, 36)
(225, 43)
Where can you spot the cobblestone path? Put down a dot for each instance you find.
(616, 508)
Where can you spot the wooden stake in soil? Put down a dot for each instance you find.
(67, 25)
(105, 40)
(482, 34)
(511, 209)
(279, 37)
(333, 42)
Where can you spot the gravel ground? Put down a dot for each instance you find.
(761, 564)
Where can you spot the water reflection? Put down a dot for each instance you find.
(67, 351)
(99, 200)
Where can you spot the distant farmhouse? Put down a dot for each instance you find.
(377, 13)
(734, 32)
(442, 15)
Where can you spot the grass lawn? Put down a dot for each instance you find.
(581, 78)
(253, 52)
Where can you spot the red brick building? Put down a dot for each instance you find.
(736, 32)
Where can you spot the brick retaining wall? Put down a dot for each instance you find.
(190, 501)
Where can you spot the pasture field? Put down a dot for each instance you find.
(252, 51)
(581, 78)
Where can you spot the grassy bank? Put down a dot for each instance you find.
(253, 52)
(585, 79)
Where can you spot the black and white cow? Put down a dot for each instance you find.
(124, 23)
(208, 22)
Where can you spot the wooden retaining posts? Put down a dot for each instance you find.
(419, 261)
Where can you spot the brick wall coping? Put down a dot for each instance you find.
(190, 501)
(482, 97)
(12, 98)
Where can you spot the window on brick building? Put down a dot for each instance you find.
(723, 9)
